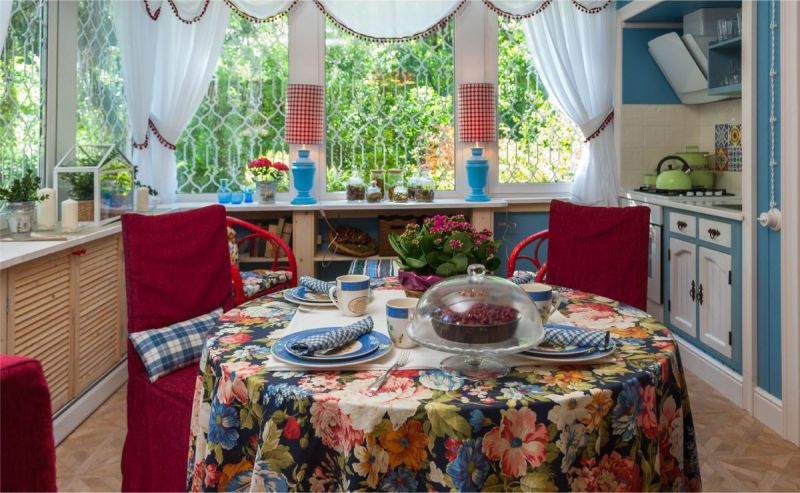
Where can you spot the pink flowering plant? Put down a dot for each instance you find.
(263, 169)
(444, 246)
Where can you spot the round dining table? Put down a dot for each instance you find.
(622, 424)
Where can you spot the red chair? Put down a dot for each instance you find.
(602, 250)
(282, 273)
(27, 450)
(537, 240)
(176, 268)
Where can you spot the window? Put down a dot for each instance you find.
(537, 143)
(102, 111)
(22, 89)
(389, 105)
(242, 115)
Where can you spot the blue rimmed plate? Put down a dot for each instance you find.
(281, 352)
(300, 293)
(591, 357)
(559, 352)
(361, 347)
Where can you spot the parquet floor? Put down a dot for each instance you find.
(737, 453)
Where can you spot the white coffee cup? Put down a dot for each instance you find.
(399, 312)
(544, 297)
(351, 294)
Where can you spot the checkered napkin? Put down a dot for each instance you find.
(564, 335)
(334, 338)
(315, 285)
(523, 277)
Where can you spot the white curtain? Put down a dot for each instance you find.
(5, 20)
(573, 53)
(389, 19)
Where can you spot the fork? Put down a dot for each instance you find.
(402, 360)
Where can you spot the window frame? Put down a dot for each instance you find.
(475, 46)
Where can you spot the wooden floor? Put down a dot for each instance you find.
(737, 452)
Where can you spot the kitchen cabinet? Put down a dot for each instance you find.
(682, 288)
(703, 283)
(66, 309)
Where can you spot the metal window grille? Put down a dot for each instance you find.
(242, 116)
(537, 143)
(102, 116)
(22, 89)
(389, 105)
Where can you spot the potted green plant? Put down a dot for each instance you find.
(443, 246)
(21, 198)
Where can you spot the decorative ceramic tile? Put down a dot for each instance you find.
(734, 159)
(722, 134)
(722, 162)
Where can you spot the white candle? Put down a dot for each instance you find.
(46, 209)
(69, 215)
(142, 199)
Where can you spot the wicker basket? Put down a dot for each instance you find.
(85, 210)
(391, 224)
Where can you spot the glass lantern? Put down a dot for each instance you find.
(100, 178)
(477, 317)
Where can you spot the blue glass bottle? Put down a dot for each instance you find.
(224, 191)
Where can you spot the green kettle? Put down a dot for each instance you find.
(674, 179)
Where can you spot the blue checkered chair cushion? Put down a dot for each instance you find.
(255, 281)
(169, 348)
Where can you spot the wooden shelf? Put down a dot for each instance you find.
(327, 256)
(729, 43)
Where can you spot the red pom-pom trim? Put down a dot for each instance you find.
(602, 127)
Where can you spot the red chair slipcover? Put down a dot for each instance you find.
(27, 451)
(602, 250)
(176, 268)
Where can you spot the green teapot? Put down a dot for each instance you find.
(674, 179)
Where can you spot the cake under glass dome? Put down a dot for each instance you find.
(477, 317)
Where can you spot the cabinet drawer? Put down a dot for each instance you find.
(715, 232)
(682, 224)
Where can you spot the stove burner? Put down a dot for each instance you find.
(695, 192)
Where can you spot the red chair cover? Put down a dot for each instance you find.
(27, 450)
(176, 268)
(602, 250)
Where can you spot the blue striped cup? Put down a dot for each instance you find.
(544, 297)
(351, 294)
(399, 312)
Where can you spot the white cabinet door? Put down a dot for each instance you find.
(682, 286)
(714, 298)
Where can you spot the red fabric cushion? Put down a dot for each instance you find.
(177, 267)
(602, 250)
(27, 450)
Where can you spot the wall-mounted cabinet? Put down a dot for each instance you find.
(725, 67)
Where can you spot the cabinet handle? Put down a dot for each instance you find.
(79, 252)
(682, 225)
(713, 233)
(700, 294)
(692, 291)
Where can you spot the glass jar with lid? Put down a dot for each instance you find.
(413, 183)
(394, 177)
(477, 317)
(377, 176)
(426, 188)
(356, 189)
(399, 193)
(374, 193)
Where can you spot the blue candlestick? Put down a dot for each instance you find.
(477, 176)
(303, 171)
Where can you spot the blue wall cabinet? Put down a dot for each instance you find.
(703, 283)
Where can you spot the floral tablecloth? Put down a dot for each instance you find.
(625, 426)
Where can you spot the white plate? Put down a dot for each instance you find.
(291, 299)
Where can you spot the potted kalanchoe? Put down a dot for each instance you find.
(267, 174)
(21, 198)
(443, 246)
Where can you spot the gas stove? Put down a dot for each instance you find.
(695, 193)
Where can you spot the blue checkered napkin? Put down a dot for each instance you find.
(169, 348)
(523, 277)
(315, 285)
(564, 335)
(332, 339)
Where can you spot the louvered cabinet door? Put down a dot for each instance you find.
(40, 319)
(98, 310)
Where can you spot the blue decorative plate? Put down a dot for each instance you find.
(362, 346)
(303, 294)
(281, 352)
(596, 354)
(559, 352)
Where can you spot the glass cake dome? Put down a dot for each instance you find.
(477, 317)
